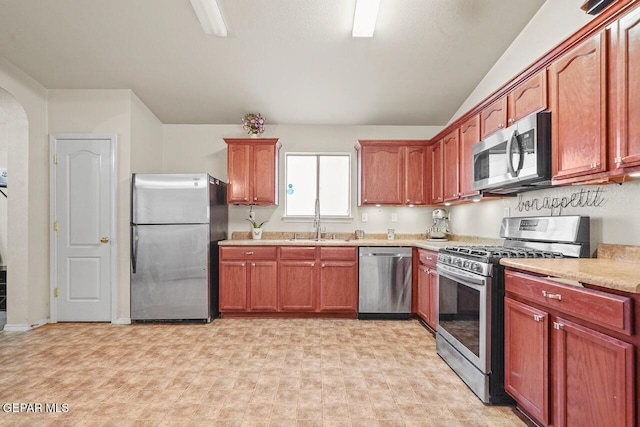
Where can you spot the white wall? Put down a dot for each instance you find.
(139, 149)
(554, 22)
(23, 107)
(201, 148)
(146, 139)
(4, 147)
(615, 220)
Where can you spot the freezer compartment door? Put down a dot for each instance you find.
(170, 199)
(170, 272)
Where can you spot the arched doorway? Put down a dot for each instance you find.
(14, 133)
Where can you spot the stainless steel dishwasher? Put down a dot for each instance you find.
(385, 283)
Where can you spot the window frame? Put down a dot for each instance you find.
(310, 218)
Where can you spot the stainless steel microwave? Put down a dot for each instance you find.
(515, 159)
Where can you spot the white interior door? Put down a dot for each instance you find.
(82, 187)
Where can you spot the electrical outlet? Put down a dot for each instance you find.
(394, 217)
(506, 212)
(365, 217)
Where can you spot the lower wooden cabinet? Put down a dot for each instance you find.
(526, 365)
(297, 285)
(263, 286)
(427, 297)
(564, 372)
(289, 279)
(337, 290)
(233, 286)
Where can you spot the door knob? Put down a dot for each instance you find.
(104, 239)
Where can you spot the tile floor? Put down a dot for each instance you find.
(238, 372)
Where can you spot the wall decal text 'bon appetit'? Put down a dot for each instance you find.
(592, 198)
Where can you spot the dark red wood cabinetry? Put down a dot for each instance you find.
(569, 357)
(392, 172)
(252, 167)
(435, 162)
(450, 161)
(427, 295)
(578, 95)
(338, 275)
(625, 92)
(469, 135)
(248, 279)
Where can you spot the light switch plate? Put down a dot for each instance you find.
(365, 217)
(394, 217)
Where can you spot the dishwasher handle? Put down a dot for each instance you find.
(387, 255)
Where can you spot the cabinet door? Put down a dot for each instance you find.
(382, 175)
(494, 117)
(432, 319)
(450, 166)
(263, 294)
(526, 358)
(233, 286)
(264, 174)
(436, 172)
(415, 187)
(529, 97)
(424, 295)
(626, 55)
(296, 287)
(593, 377)
(339, 286)
(239, 168)
(578, 110)
(469, 135)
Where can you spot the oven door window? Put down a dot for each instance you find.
(459, 312)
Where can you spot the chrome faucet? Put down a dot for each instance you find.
(316, 220)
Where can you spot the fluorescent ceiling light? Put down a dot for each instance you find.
(364, 20)
(210, 17)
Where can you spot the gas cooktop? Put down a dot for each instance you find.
(498, 252)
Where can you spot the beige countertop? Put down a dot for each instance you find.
(423, 244)
(604, 272)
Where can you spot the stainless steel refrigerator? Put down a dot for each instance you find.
(177, 221)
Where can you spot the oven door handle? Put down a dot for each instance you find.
(472, 280)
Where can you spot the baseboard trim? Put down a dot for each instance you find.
(23, 327)
(122, 321)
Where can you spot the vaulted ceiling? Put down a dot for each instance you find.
(294, 61)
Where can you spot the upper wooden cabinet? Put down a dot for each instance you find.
(392, 172)
(469, 135)
(578, 95)
(625, 91)
(252, 167)
(528, 98)
(435, 162)
(494, 117)
(450, 164)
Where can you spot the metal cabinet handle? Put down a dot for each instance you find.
(255, 198)
(243, 264)
(365, 200)
(249, 253)
(557, 325)
(313, 264)
(253, 264)
(511, 120)
(552, 296)
(500, 125)
(537, 317)
(324, 265)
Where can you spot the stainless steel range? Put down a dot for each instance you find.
(470, 334)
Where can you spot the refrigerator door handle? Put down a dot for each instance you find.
(134, 249)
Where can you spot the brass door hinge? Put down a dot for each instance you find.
(55, 292)
(55, 226)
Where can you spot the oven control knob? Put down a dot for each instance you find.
(476, 267)
(457, 262)
(466, 264)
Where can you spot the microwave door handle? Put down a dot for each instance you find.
(514, 137)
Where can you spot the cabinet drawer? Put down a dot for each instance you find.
(248, 252)
(608, 310)
(350, 254)
(298, 252)
(428, 258)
